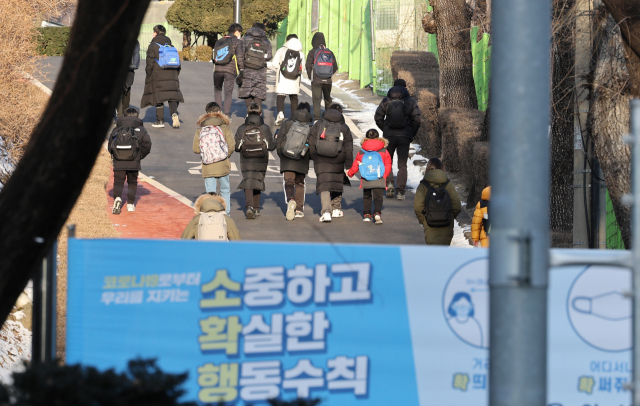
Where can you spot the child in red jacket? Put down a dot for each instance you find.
(374, 164)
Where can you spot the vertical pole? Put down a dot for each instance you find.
(635, 226)
(519, 252)
(43, 343)
(595, 200)
(237, 8)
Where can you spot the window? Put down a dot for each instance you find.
(387, 15)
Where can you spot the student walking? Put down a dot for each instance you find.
(215, 143)
(161, 84)
(374, 164)
(292, 147)
(210, 222)
(253, 141)
(437, 204)
(125, 101)
(480, 225)
(228, 62)
(331, 149)
(398, 116)
(290, 61)
(129, 143)
(257, 52)
(321, 65)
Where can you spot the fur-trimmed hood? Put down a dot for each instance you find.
(219, 116)
(207, 203)
(374, 144)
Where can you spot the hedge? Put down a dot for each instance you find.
(52, 41)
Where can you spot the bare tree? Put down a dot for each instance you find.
(37, 199)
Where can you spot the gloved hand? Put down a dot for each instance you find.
(240, 78)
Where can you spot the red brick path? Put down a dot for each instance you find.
(157, 214)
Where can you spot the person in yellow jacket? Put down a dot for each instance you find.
(480, 224)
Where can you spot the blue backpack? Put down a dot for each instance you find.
(168, 57)
(372, 167)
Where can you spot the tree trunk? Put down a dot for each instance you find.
(609, 116)
(453, 21)
(37, 199)
(186, 39)
(626, 13)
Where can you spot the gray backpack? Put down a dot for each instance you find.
(212, 227)
(295, 143)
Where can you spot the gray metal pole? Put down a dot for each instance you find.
(519, 252)
(237, 7)
(43, 343)
(635, 227)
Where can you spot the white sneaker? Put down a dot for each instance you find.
(325, 218)
(176, 120)
(131, 207)
(117, 205)
(378, 218)
(291, 207)
(299, 214)
(280, 118)
(337, 213)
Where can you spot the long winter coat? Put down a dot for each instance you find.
(316, 41)
(380, 146)
(160, 85)
(436, 235)
(330, 172)
(222, 168)
(237, 63)
(206, 204)
(411, 111)
(254, 82)
(478, 233)
(145, 143)
(284, 85)
(254, 169)
(288, 164)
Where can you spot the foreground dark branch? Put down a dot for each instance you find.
(37, 199)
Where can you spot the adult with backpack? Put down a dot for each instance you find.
(480, 224)
(289, 59)
(437, 204)
(257, 52)
(253, 141)
(321, 65)
(215, 143)
(374, 164)
(129, 143)
(162, 83)
(125, 100)
(331, 149)
(228, 62)
(293, 149)
(210, 222)
(398, 116)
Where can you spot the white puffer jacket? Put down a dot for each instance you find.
(284, 85)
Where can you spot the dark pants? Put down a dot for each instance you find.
(377, 195)
(252, 198)
(125, 100)
(252, 99)
(173, 109)
(293, 99)
(294, 188)
(330, 201)
(400, 145)
(318, 92)
(132, 182)
(228, 79)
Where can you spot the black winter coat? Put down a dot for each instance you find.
(237, 63)
(316, 41)
(160, 85)
(288, 164)
(254, 169)
(145, 144)
(254, 82)
(330, 172)
(411, 111)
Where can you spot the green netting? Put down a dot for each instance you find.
(614, 237)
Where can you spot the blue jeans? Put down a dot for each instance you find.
(211, 185)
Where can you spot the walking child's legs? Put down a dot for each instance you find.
(160, 112)
(280, 103)
(256, 198)
(118, 183)
(289, 185)
(326, 91)
(402, 150)
(252, 99)
(378, 194)
(252, 198)
(316, 94)
(173, 107)
(132, 182)
(218, 81)
(229, 83)
(299, 193)
(293, 99)
(336, 200)
(366, 199)
(211, 184)
(325, 200)
(225, 191)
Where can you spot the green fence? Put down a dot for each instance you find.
(614, 237)
(481, 51)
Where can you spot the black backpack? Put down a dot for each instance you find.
(223, 51)
(395, 114)
(329, 142)
(253, 143)
(438, 209)
(291, 66)
(255, 54)
(295, 143)
(486, 223)
(323, 63)
(125, 145)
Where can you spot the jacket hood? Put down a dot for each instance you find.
(218, 118)
(129, 121)
(333, 115)
(318, 39)
(302, 116)
(256, 32)
(161, 39)
(436, 176)
(486, 193)
(254, 120)
(398, 93)
(294, 44)
(207, 203)
(374, 144)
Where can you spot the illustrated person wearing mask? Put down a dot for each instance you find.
(462, 321)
